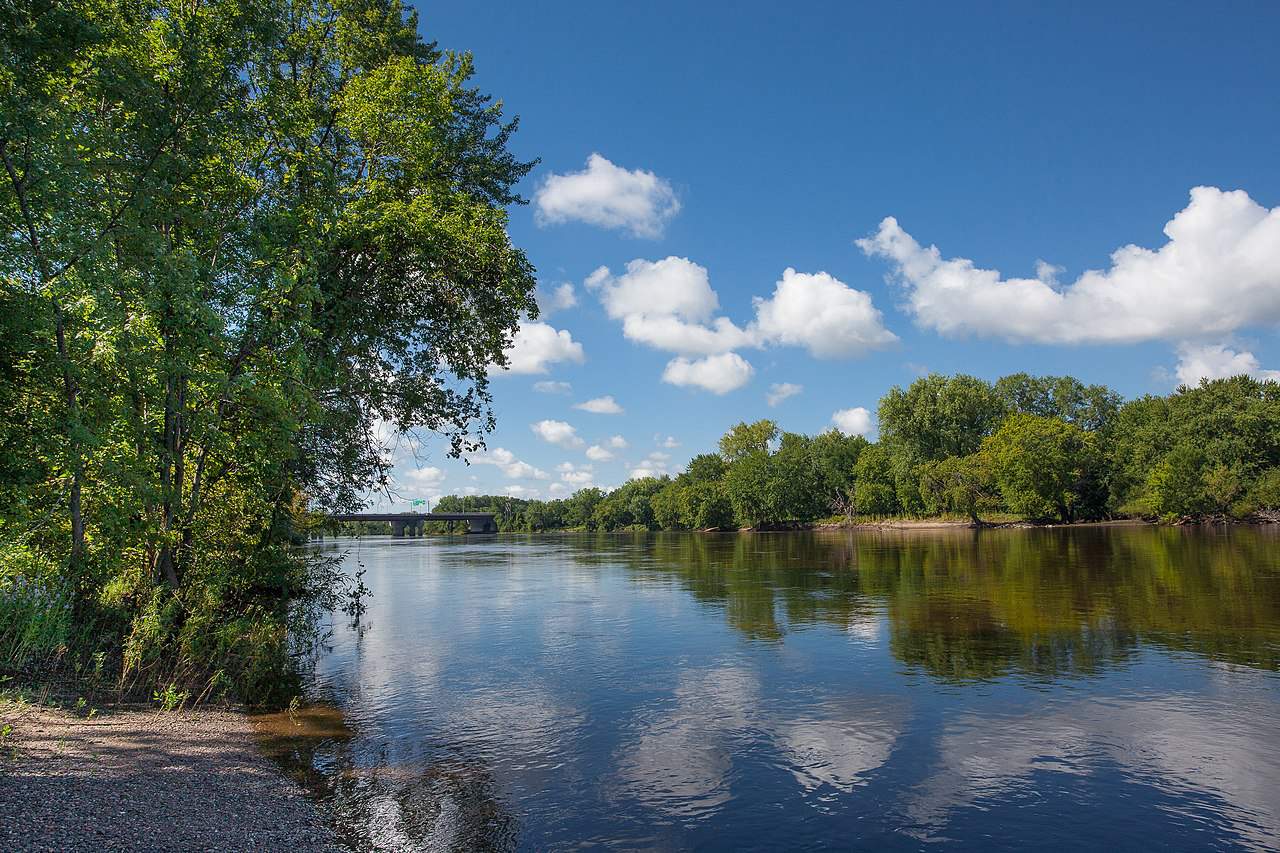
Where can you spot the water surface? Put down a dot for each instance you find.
(1006, 689)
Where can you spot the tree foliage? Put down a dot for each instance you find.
(239, 242)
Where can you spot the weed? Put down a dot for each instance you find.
(169, 698)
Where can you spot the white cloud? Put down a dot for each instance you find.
(547, 386)
(605, 405)
(668, 305)
(1218, 272)
(617, 442)
(718, 374)
(656, 464)
(558, 298)
(596, 453)
(1217, 361)
(670, 442)
(580, 479)
(557, 489)
(537, 346)
(780, 391)
(855, 421)
(822, 314)
(556, 432)
(675, 286)
(428, 477)
(608, 196)
(520, 491)
(508, 464)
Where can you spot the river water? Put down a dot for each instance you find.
(1003, 689)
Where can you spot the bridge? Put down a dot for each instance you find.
(410, 523)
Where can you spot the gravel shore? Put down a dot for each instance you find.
(133, 778)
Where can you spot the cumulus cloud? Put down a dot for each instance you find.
(855, 421)
(718, 374)
(547, 386)
(605, 405)
(558, 298)
(822, 314)
(1217, 361)
(780, 391)
(596, 453)
(506, 461)
(607, 196)
(557, 432)
(425, 477)
(656, 464)
(669, 442)
(617, 442)
(669, 305)
(537, 346)
(1218, 272)
(578, 476)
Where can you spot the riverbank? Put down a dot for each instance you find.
(965, 524)
(129, 777)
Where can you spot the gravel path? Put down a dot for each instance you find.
(135, 779)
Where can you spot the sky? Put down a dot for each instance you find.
(756, 210)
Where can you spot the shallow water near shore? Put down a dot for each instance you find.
(999, 689)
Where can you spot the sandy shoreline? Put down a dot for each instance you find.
(132, 778)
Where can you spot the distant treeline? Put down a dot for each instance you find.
(1036, 448)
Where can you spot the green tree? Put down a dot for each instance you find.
(1042, 466)
(705, 505)
(705, 466)
(1091, 407)
(939, 416)
(958, 484)
(247, 240)
(665, 505)
(745, 439)
(834, 457)
(748, 485)
(874, 492)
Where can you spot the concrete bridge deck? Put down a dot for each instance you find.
(410, 523)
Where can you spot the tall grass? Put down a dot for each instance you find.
(35, 609)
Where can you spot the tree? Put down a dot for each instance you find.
(745, 439)
(579, 508)
(1042, 466)
(1093, 408)
(834, 457)
(666, 504)
(796, 488)
(704, 466)
(704, 505)
(873, 490)
(747, 484)
(957, 484)
(248, 240)
(939, 416)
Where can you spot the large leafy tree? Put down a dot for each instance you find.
(242, 242)
(1044, 467)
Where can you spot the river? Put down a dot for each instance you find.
(998, 690)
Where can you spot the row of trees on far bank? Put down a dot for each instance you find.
(1038, 448)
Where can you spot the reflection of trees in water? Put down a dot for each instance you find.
(448, 804)
(978, 604)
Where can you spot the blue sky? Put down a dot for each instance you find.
(742, 140)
